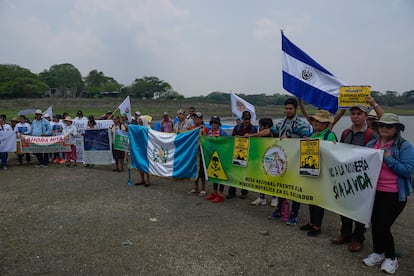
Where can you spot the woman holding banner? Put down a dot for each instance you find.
(118, 155)
(321, 122)
(393, 187)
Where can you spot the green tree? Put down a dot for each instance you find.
(149, 88)
(63, 77)
(18, 82)
(97, 82)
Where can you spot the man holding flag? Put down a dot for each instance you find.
(125, 108)
(238, 106)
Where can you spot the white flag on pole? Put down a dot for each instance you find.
(238, 105)
(48, 111)
(125, 108)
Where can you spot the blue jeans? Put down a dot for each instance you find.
(43, 158)
(294, 212)
(3, 156)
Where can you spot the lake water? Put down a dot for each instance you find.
(345, 122)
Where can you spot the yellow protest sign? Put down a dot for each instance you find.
(215, 168)
(352, 95)
(240, 151)
(309, 158)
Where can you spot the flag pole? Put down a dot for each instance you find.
(129, 166)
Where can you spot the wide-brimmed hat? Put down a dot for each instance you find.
(137, 114)
(165, 114)
(215, 119)
(361, 107)
(373, 115)
(180, 111)
(38, 112)
(322, 116)
(68, 118)
(390, 119)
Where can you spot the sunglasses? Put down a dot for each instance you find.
(381, 125)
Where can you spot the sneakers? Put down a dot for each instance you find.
(211, 196)
(62, 161)
(292, 221)
(259, 201)
(374, 259)
(274, 202)
(56, 160)
(389, 265)
(202, 193)
(275, 215)
(192, 192)
(219, 198)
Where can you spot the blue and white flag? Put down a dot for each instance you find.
(7, 141)
(305, 78)
(164, 154)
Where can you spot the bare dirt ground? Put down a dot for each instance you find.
(80, 221)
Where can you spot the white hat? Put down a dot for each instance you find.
(68, 118)
(38, 111)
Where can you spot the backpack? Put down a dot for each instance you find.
(326, 135)
(368, 135)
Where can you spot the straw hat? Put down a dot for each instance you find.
(38, 112)
(322, 116)
(68, 118)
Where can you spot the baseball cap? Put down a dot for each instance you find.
(215, 119)
(361, 107)
(198, 115)
(246, 114)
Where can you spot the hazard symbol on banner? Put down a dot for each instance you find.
(215, 168)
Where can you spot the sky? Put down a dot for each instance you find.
(202, 46)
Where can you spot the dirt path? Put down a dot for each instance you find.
(72, 221)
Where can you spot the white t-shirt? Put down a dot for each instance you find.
(21, 128)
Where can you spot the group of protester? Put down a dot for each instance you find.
(370, 127)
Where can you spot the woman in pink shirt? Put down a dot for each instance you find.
(393, 187)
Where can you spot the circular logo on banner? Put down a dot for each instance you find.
(274, 161)
(307, 73)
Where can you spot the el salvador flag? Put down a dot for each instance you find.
(307, 79)
(164, 154)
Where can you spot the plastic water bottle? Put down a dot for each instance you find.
(285, 210)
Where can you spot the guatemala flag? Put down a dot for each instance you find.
(164, 154)
(305, 78)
